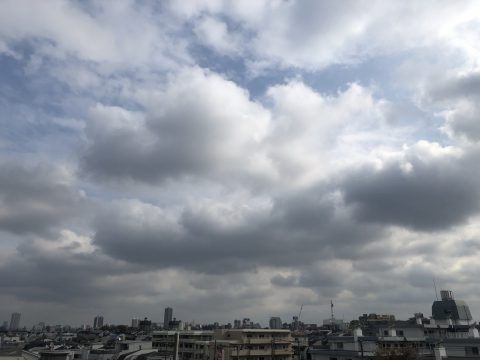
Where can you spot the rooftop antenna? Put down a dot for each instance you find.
(435, 288)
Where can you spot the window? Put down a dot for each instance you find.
(385, 332)
(400, 332)
(471, 350)
(340, 345)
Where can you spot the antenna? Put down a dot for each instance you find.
(435, 288)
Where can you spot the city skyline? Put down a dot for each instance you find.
(270, 321)
(237, 159)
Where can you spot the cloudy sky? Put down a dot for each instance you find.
(237, 158)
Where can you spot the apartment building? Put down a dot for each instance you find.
(256, 344)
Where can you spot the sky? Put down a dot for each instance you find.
(236, 159)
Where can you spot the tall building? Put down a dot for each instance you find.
(15, 321)
(135, 323)
(167, 317)
(448, 310)
(275, 322)
(145, 325)
(98, 322)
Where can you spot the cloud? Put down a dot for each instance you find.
(124, 34)
(215, 33)
(313, 35)
(237, 158)
(232, 234)
(198, 125)
(455, 97)
(37, 199)
(428, 188)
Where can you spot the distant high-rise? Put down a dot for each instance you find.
(167, 317)
(135, 323)
(237, 324)
(98, 322)
(145, 324)
(15, 321)
(275, 322)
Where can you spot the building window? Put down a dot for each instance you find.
(471, 350)
(340, 345)
(400, 332)
(385, 332)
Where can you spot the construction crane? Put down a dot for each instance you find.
(300, 312)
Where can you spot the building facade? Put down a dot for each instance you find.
(98, 322)
(15, 321)
(275, 322)
(167, 317)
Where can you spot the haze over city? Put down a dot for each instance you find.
(237, 159)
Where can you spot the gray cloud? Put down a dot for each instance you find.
(300, 228)
(458, 97)
(36, 198)
(431, 195)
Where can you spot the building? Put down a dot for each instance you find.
(254, 344)
(224, 344)
(145, 325)
(189, 345)
(449, 310)
(135, 323)
(275, 322)
(237, 324)
(447, 334)
(98, 322)
(15, 321)
(167, 317)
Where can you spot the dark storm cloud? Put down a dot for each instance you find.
(36, 199)
(432, 195)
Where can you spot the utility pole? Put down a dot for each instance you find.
(298, 348)
(273, 350)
